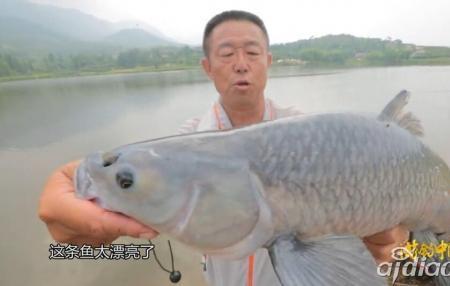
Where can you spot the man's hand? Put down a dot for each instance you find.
(381, 244)
(72, 220)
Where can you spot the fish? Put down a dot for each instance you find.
(305, 187)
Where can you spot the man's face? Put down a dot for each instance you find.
(237, 62)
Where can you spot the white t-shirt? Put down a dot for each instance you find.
(252, 271)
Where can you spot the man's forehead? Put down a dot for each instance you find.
(241, 43)
(232, 32)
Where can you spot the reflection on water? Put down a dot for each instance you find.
(48, 122)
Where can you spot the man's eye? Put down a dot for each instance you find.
(226, 55)
(253, 52)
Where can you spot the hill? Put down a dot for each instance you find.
(68, 22)
(16, 36)
(348, 50)
(136, 38)
(33, 30)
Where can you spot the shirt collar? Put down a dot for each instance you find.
(221, 121)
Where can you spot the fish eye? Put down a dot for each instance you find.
(124, 179)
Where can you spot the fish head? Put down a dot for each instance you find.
(210, 203)
(136, 182)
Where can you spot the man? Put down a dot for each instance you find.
(237, 57)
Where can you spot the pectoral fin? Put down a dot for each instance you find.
(334, 260)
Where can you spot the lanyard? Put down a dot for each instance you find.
(223, 122)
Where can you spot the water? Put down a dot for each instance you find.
(46, 123)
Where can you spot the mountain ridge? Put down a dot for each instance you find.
(30, 28)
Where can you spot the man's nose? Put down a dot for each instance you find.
(240, 64)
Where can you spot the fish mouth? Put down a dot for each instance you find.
(99, 202)
(84, 187)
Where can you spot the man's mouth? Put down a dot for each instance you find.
(242, 84)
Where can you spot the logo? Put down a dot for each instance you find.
(417, 259)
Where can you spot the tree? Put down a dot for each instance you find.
(5, 69)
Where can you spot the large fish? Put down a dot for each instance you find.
(306, 187)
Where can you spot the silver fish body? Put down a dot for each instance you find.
(313, 176)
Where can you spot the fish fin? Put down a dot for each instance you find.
(334, 260)
(393, 112)
(429, 238)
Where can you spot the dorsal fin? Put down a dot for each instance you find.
(393, 112)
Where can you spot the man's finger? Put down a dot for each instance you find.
(85, 217)
(92, 220)
(118, 224)
(65, 235)
(69, 169)
(394, 235)
(380, 253)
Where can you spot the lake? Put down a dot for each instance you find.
(45, 123)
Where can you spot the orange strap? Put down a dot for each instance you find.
(218, 121)
(251, 265)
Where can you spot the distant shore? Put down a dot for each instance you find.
(137, 70)
(327, 52)
(95, 73)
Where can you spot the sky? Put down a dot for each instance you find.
(421, 22)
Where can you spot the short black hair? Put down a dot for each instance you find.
(232, 15)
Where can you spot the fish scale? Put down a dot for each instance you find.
(389, 175)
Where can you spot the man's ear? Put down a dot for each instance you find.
(207, 67)
(269, 59)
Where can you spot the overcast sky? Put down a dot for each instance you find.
(423, 22)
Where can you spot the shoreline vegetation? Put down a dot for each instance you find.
(328, 52)
(72, 74)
